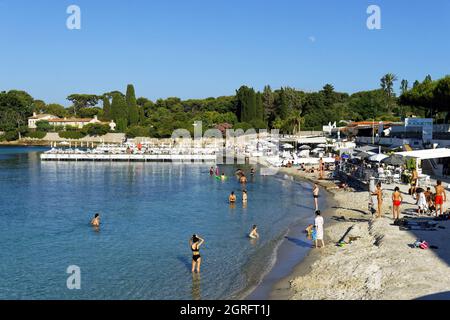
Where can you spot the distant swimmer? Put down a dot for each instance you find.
(211, 171)
(252, 171)
(217, 171)
(195, 242)
(254, 233)
(243, 179)
(244, 196)
(232, 197)
(95, 222)
(223, 177)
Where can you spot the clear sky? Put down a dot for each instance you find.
(203, 48)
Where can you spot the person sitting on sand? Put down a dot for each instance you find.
(318, 225)
(396, 202)
(254, 233)
(195, 242)
(244, 196)
(95, 222)
(379, 194)
(440, 198)
(232, 197)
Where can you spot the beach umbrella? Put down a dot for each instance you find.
(288, 146)
(345, 156)
(364, 155)
(322, 145)
(305, 147)
(394, 160)
(377, 157)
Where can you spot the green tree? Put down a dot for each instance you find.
(81, 101)
(119, 112)
(106, 108)
(133, 111)
(404, 86)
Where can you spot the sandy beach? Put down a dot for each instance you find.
(380, 264)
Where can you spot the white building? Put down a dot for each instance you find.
(38, 117)
(72, 122)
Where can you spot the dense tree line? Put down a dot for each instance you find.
(287, 109)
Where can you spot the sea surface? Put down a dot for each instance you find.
(149, 211)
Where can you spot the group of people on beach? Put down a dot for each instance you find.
(426, 201)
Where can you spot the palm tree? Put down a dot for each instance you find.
(387, 84)
(404, 86)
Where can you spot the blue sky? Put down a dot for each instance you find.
(200, 48)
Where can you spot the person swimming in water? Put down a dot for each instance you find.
(243, 179)
(95, 222)
(195, 242)
(232, 197)
(252, 171)
(211, 171)
(254, 233)
(244, 196)
(217, 171)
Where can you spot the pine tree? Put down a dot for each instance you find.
(133, 111)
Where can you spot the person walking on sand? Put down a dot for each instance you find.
(195, 242)
(379, 194)
(396, 203)
(441, 197)
(316, 196)
(318, 225)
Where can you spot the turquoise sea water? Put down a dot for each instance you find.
(149, 211)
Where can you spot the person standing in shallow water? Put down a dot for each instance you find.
(195, 242)
(95, 222)
(318, 225)
(316, 196)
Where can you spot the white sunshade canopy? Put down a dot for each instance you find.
(378, 157)
(288, 146)
(426, 154)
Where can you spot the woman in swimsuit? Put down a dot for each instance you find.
(396, 201)
(195, 242)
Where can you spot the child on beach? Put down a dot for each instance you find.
(396, 203)
(318, 224)
(421, 202)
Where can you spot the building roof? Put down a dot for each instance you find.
(426, 154)
(40, 116)
(71, 120)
